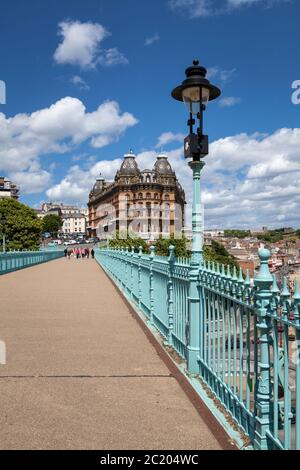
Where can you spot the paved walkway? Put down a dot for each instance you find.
(80, 372)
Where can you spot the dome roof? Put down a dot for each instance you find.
(129, 166)
(162, 166)
(98, 186)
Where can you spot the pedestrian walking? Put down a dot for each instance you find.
(87, 253)
(65, 252)
(93, 253)
(70, 253)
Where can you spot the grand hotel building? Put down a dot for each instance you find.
(148, 202)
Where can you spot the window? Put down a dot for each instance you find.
(148, 196)
(148, 205)
(140, 196)
(155, 196)
(167, 197)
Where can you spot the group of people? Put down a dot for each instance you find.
(79, 253)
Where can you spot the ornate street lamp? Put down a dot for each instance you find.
(195, 91)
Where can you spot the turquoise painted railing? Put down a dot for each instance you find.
(14, 260)
(248, 343)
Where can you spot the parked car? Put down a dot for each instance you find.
(70, 242)
(57, 242)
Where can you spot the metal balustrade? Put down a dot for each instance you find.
(14, 260)
(248, 340)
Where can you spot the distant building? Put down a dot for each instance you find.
(8, 189)
(65, 209)
(74, 218)
(213, 233)
(74, 224)
(149, 203)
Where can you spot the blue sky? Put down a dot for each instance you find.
(86, 81)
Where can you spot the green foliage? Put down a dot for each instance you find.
(237, 233)
(180, 244)
(272, 236)
(218, 253)
(21, 225)
(52, 223)
(124, 240)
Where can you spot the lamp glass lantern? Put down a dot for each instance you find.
(193, 97)
(196, 89)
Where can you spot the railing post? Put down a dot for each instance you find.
(131, 272)
(263, 387)
(140, 275)
(171, 261)
(126, 270)
(151, 283)
(193, 330)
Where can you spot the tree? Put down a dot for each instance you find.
(128, 240)
(218, 253)
(21, 225)
(237, 233)
(180, 244)
(52, 223)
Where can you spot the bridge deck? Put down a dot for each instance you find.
(80, 372)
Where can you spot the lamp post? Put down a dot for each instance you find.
(195, 91)
(2, 222)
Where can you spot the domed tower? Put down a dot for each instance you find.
(129, 168)
(162, 168)
(98, 186)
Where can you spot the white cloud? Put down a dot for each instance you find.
(31, 181)
(195, 8)
(168, 137)
(221, 75)
(113, 56)
(80, 82)
(228, 101)
(25, 138)
(77, 183)
(248, 180)
(205, 8)
(80, 43)
(81, 46)
(239, 3)
(152, 39)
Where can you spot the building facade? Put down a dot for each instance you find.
(8, 189)
(149, 203)
(74, 218)
(73, 224)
